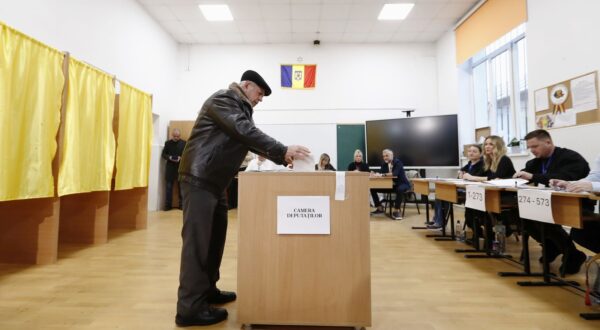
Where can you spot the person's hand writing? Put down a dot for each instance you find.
(523, 175)
(466, 176)
(461, 174)
(579, 186)
(296, 151)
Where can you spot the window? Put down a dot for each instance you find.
(499, 75)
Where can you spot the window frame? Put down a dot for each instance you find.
(514, 92)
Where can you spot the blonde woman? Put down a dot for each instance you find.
(324, 164)
(358, 164)
(496, 165)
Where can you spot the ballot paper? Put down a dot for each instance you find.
(305, 164)
(507, 182)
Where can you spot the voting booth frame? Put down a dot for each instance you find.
(303, 279)
(32, 230)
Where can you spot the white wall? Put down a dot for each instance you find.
(117, 36)
(563, 42)
(354, 82)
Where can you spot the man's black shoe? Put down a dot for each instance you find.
(209, 316)
(221, 297)
(574, 262)
(377, 211)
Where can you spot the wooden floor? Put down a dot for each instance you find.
(417, 283)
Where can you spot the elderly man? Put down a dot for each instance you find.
(391, 167)
(553, 162)
(222, 135)
(172, 154)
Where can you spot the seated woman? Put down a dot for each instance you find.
(475, 168)
(324, 164)
(358, 164)
(496, 166)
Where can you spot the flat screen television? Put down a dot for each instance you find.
(418, 141)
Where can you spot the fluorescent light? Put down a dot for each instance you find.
(395, 11)
(216, 12)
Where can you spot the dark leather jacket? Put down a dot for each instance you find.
(222, 135)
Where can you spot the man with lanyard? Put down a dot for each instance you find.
(553, 162)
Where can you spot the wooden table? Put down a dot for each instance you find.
(421, 186)
(381, 182)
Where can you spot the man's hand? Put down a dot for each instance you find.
(579, 186)
(461, 174)
(296, 152)
(561, 184)
(523, 175)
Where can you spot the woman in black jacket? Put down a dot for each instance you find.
(358, 164)
(324, 164)
(496, 164)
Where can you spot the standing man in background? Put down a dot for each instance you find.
(222, 135)
(172, 154)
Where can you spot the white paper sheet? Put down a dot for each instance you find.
(583, 92)
(507, 182)
(303, 215)
(541, 99)
(306, 164)
(475, 197)
(567, 118)
(535, 204)
(340, 186)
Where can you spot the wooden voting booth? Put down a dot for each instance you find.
(303, 279)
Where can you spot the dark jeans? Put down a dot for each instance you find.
(399, 190)
(441, 210)
(169, 194)
(203, 234)
(232, 194)
(557, 240)
(588, 236)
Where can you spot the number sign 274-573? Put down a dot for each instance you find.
(535, 205)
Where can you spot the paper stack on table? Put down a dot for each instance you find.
(507, 182)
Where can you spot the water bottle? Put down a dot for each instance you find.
(499, 244)
(459, 232)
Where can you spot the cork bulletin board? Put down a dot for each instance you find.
(568, 103)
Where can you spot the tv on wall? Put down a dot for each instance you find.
(418, 141)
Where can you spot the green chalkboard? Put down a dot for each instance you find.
(349, 138)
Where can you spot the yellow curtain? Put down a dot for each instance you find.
(88, 146)
(490, 21)
(31, 85)
(134, 140)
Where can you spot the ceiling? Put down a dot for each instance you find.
(302, 21)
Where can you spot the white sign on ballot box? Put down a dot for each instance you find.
(535, 204)
(475, 197)
(303, 215)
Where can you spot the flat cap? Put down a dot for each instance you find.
(254, 77)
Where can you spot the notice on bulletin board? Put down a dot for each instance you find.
(568, 103)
